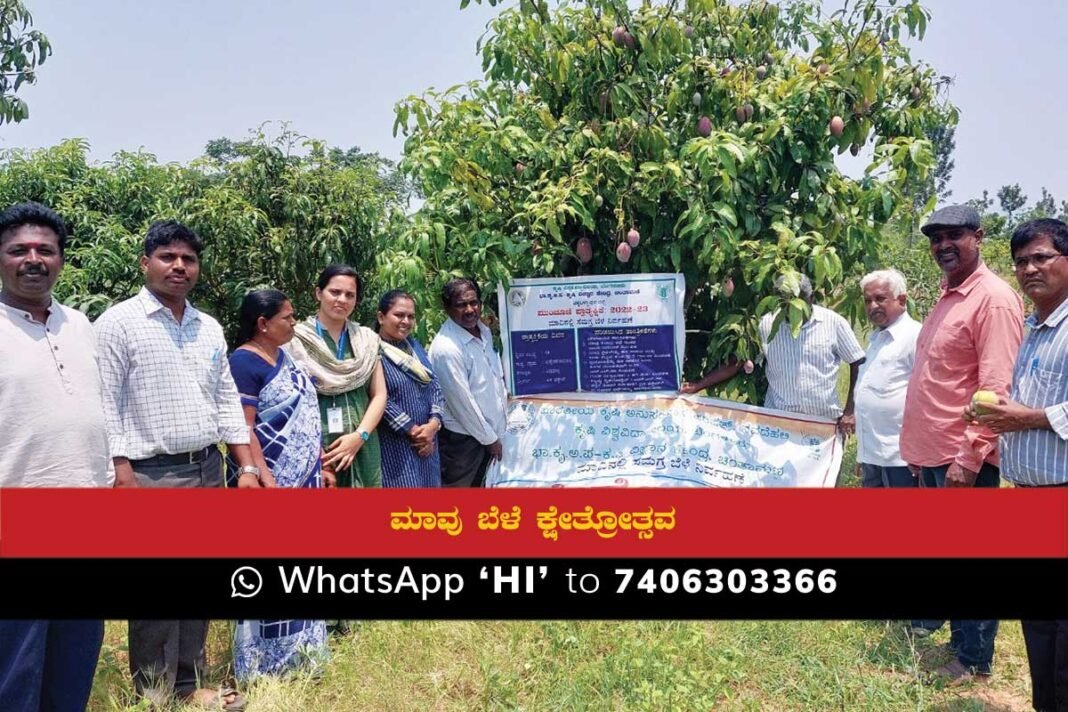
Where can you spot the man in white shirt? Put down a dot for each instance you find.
(884, 378)
(54, 436)
(472, 379)
(169, 399)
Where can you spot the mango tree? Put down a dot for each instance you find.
(696, 137)
(22, 50)
(272, 212)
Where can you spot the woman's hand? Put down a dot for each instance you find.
(340, 453)
(423, 435)
(267, 478)
(425, 450)
(329, 476)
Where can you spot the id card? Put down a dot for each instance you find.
(335, 421)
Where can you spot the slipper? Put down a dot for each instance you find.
(216, 699)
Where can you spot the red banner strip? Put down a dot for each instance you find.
(847, 523)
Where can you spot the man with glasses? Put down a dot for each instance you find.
(968, 343)
(472, 380)
(1033, 421)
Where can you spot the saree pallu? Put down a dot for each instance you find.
(289, 434)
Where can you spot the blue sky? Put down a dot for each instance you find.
(170, 76)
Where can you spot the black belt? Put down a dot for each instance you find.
(1055, 484)
(182, 458)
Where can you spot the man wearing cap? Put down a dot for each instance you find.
(968, 343)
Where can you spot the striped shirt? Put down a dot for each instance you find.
(803, 371)
(1040, 380)
(167, 386)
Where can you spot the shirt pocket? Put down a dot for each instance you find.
(1041, 388)
(890, 376)
(952, 350)
(207, 362)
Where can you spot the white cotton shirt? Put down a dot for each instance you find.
(167, 386)
(879, 399)
(803, 372)
(53, 416)
(472, 380)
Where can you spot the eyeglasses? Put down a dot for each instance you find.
(1039, 260)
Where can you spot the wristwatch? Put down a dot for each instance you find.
(248, 470)
(364, 435)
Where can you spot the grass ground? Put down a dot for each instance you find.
(641, 666)
(560, 665)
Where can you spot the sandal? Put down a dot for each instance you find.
(209, 699)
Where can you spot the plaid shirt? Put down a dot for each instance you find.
(167, 386)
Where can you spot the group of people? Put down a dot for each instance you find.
(145, 396)
(910, 397)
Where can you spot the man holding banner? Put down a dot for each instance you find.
(803, 370)
(606, 352)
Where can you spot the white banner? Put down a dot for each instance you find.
(634, 440)
(602, 334)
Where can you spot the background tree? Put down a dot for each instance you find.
(1046, 206)
(1011, 198)
(1012, 202)
(22, 49)
(272, 212)
(696, 138)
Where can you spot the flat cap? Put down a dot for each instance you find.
(952, 216)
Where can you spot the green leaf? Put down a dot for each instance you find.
(726, 212)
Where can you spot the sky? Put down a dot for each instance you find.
(170, 76)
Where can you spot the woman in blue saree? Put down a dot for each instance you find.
(282, 409)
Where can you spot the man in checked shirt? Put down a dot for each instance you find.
(1033, 421)
(169, 400)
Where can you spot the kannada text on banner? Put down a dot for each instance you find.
(633, 440)
(602, 335)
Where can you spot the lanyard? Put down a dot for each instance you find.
(340, 341)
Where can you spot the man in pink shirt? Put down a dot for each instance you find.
(968, 343)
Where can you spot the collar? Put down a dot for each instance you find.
(818, 315)
(152, 305)
(53, 309)
(1053, 320)
(981, 272)
(900, 323)
(465, 336)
